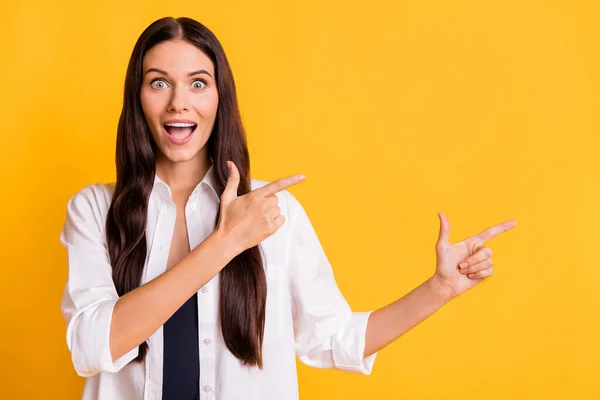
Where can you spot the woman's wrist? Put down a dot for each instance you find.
(440, 289)
(224, 245)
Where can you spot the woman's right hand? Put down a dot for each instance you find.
(247, 220)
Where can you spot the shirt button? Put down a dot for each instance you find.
(206, 388)
(207, 341)
(204, 290)
(193, 206)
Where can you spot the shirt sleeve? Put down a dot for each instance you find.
(328, 334)
(90, 294)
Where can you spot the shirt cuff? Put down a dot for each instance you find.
(348, 346)
(106, 362)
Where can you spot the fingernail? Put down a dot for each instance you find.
(463, 264)
(471, 275)
(464, 270)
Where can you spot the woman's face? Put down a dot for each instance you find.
(179, 98)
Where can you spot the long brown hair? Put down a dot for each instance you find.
(243, 287)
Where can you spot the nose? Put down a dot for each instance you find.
(179, 100)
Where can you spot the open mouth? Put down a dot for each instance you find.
(180, 131)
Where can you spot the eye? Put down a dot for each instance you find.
(199, 84)
(158, 81)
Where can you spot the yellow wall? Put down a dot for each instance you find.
(486, 110)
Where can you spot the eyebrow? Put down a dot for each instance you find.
(160, 71)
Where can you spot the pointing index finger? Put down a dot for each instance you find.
(494, 231)
(279, 185)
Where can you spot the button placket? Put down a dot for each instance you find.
(207, 329)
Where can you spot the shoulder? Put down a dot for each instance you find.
(91, 203)
(95, 194)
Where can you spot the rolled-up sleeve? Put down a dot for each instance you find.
(328, 334)
(90, 294)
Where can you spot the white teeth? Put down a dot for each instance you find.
(181, 125)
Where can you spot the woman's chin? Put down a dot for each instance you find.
(176, 155)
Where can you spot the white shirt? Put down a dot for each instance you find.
(306, 315)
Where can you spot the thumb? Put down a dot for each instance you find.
(231, 188)
(444, 236)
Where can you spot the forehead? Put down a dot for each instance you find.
(177, 57)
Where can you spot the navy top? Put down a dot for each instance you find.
(181, 363)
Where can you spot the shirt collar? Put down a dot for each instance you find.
(209, 180)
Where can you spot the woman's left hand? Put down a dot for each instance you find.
(463, 265)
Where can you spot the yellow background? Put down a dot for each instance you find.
(486, 110)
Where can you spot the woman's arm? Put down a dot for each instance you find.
(327, 333)
(139, 313)
(392, 321)
(245, 221)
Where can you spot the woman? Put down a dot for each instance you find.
(187, 278)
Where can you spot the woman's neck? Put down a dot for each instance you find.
(182, 176)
